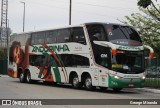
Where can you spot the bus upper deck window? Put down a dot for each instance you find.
(78, 35)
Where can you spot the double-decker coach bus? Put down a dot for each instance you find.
(104, 55)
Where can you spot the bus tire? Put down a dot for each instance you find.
(75, 82)
(22, 77)
(88, 83)
(28, 77)
(117, 89)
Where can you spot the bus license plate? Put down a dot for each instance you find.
(130, 85)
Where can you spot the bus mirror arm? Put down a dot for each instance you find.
(107, 44)
(151, 50)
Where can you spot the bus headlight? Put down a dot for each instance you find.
(143, 77)
(117, 77)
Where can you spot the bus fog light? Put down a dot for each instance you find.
(117, 77)
(143, 77)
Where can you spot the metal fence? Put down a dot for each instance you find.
(152, 72)
(3, 67)
(3, 60)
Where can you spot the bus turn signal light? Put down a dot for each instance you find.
(114, 52)
(151, 54)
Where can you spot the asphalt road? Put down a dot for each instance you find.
(11, 88)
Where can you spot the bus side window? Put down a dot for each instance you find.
(51, 37)
(38, 38)
(63, 35)
(78, 60)
(67, 59)
(32, 39)
(71, 60)
(78, 35)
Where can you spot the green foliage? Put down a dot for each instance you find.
(144, 3)
(148, 26)
(150, 5)
(3, 53)
(152, 82)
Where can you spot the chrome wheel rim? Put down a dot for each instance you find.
(28, 77)
(88, 82)
(75, 81)
(21, 76)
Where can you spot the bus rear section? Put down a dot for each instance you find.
(58, 55)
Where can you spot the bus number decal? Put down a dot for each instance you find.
(104, 55)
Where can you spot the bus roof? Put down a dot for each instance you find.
(29, 32)
(107, 23)
(80, 25)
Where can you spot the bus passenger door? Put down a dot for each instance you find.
(103, 59)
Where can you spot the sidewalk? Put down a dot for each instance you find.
(4, 76)
(146, 89)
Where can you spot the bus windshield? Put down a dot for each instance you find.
(120, 35)
(128, 62)
(116, 32)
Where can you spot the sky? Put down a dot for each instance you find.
(46, 14)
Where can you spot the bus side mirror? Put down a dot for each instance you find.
(151, 55)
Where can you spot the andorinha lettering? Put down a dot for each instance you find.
(57, 48)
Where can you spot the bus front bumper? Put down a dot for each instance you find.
(115, 82)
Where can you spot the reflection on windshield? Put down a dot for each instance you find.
(121, 32)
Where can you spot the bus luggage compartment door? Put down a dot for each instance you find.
(103, 78)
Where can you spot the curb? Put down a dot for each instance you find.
(152, 90)
(148, 90)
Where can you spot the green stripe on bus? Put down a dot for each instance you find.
(56, 72)
(63, 65)
(121, 83)
(54, 67)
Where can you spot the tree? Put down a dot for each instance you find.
(146, 4)
(148, 27)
